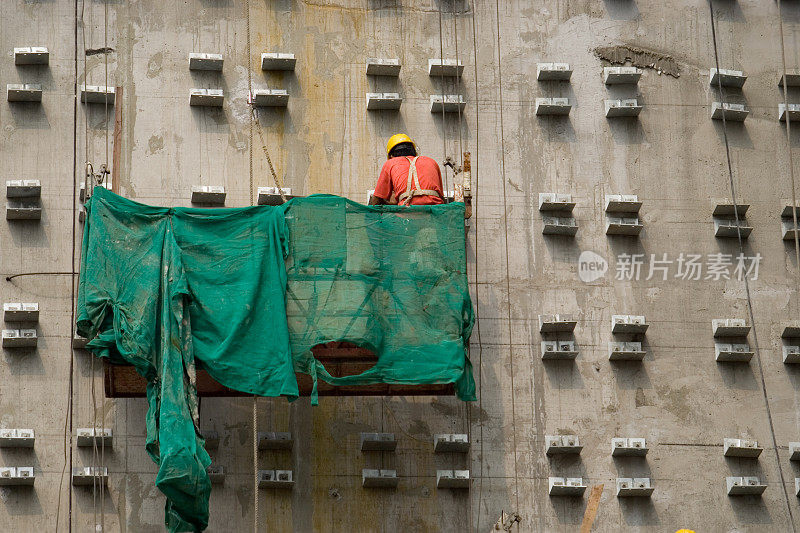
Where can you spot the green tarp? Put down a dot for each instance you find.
(245, 293)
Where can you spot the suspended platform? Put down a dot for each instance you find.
(339, 358)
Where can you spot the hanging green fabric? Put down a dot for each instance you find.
(170, 291)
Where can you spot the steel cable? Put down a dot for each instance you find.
(746, 283)
(508, 270)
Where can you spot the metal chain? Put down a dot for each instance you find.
(269, 160)
(254, 119)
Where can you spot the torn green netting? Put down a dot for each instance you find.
(173, 290)
(388, 278)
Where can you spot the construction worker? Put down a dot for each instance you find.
(406, 178)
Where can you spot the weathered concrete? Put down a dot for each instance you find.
(672, 157)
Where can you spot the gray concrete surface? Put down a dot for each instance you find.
(672, 157)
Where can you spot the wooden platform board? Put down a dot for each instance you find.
(339, 358)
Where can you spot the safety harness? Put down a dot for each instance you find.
(413, 187)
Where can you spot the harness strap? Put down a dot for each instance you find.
(413, 188)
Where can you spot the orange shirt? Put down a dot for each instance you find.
(394, 179)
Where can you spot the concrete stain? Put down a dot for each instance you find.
(155, 144)
(479, 415)
(641, 399)
(238, 140)
(419, 427)
(675, 401)
(245, 498)
(340, 430)
(154, 65)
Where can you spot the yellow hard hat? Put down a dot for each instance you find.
(684, 531)
(396, 139)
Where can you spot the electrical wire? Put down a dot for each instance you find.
(746, 283)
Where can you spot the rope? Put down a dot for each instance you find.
(94, 444)
(68, 415)
(87, 190)
(467, 409)
(746, 283)
(255, 463)
(254, 118)
(508, 270)
(91, 364)
(94, 403)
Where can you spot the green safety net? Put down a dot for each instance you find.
(388, 278)
(245, 293)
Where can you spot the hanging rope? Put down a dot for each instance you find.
(475, 203)
(255, 463)
(746, 283)
(67, 440)
(254, 118)
(94, 378)
(467, 407)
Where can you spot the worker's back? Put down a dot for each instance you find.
(394, 179)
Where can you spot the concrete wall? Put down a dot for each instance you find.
(672, 157)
